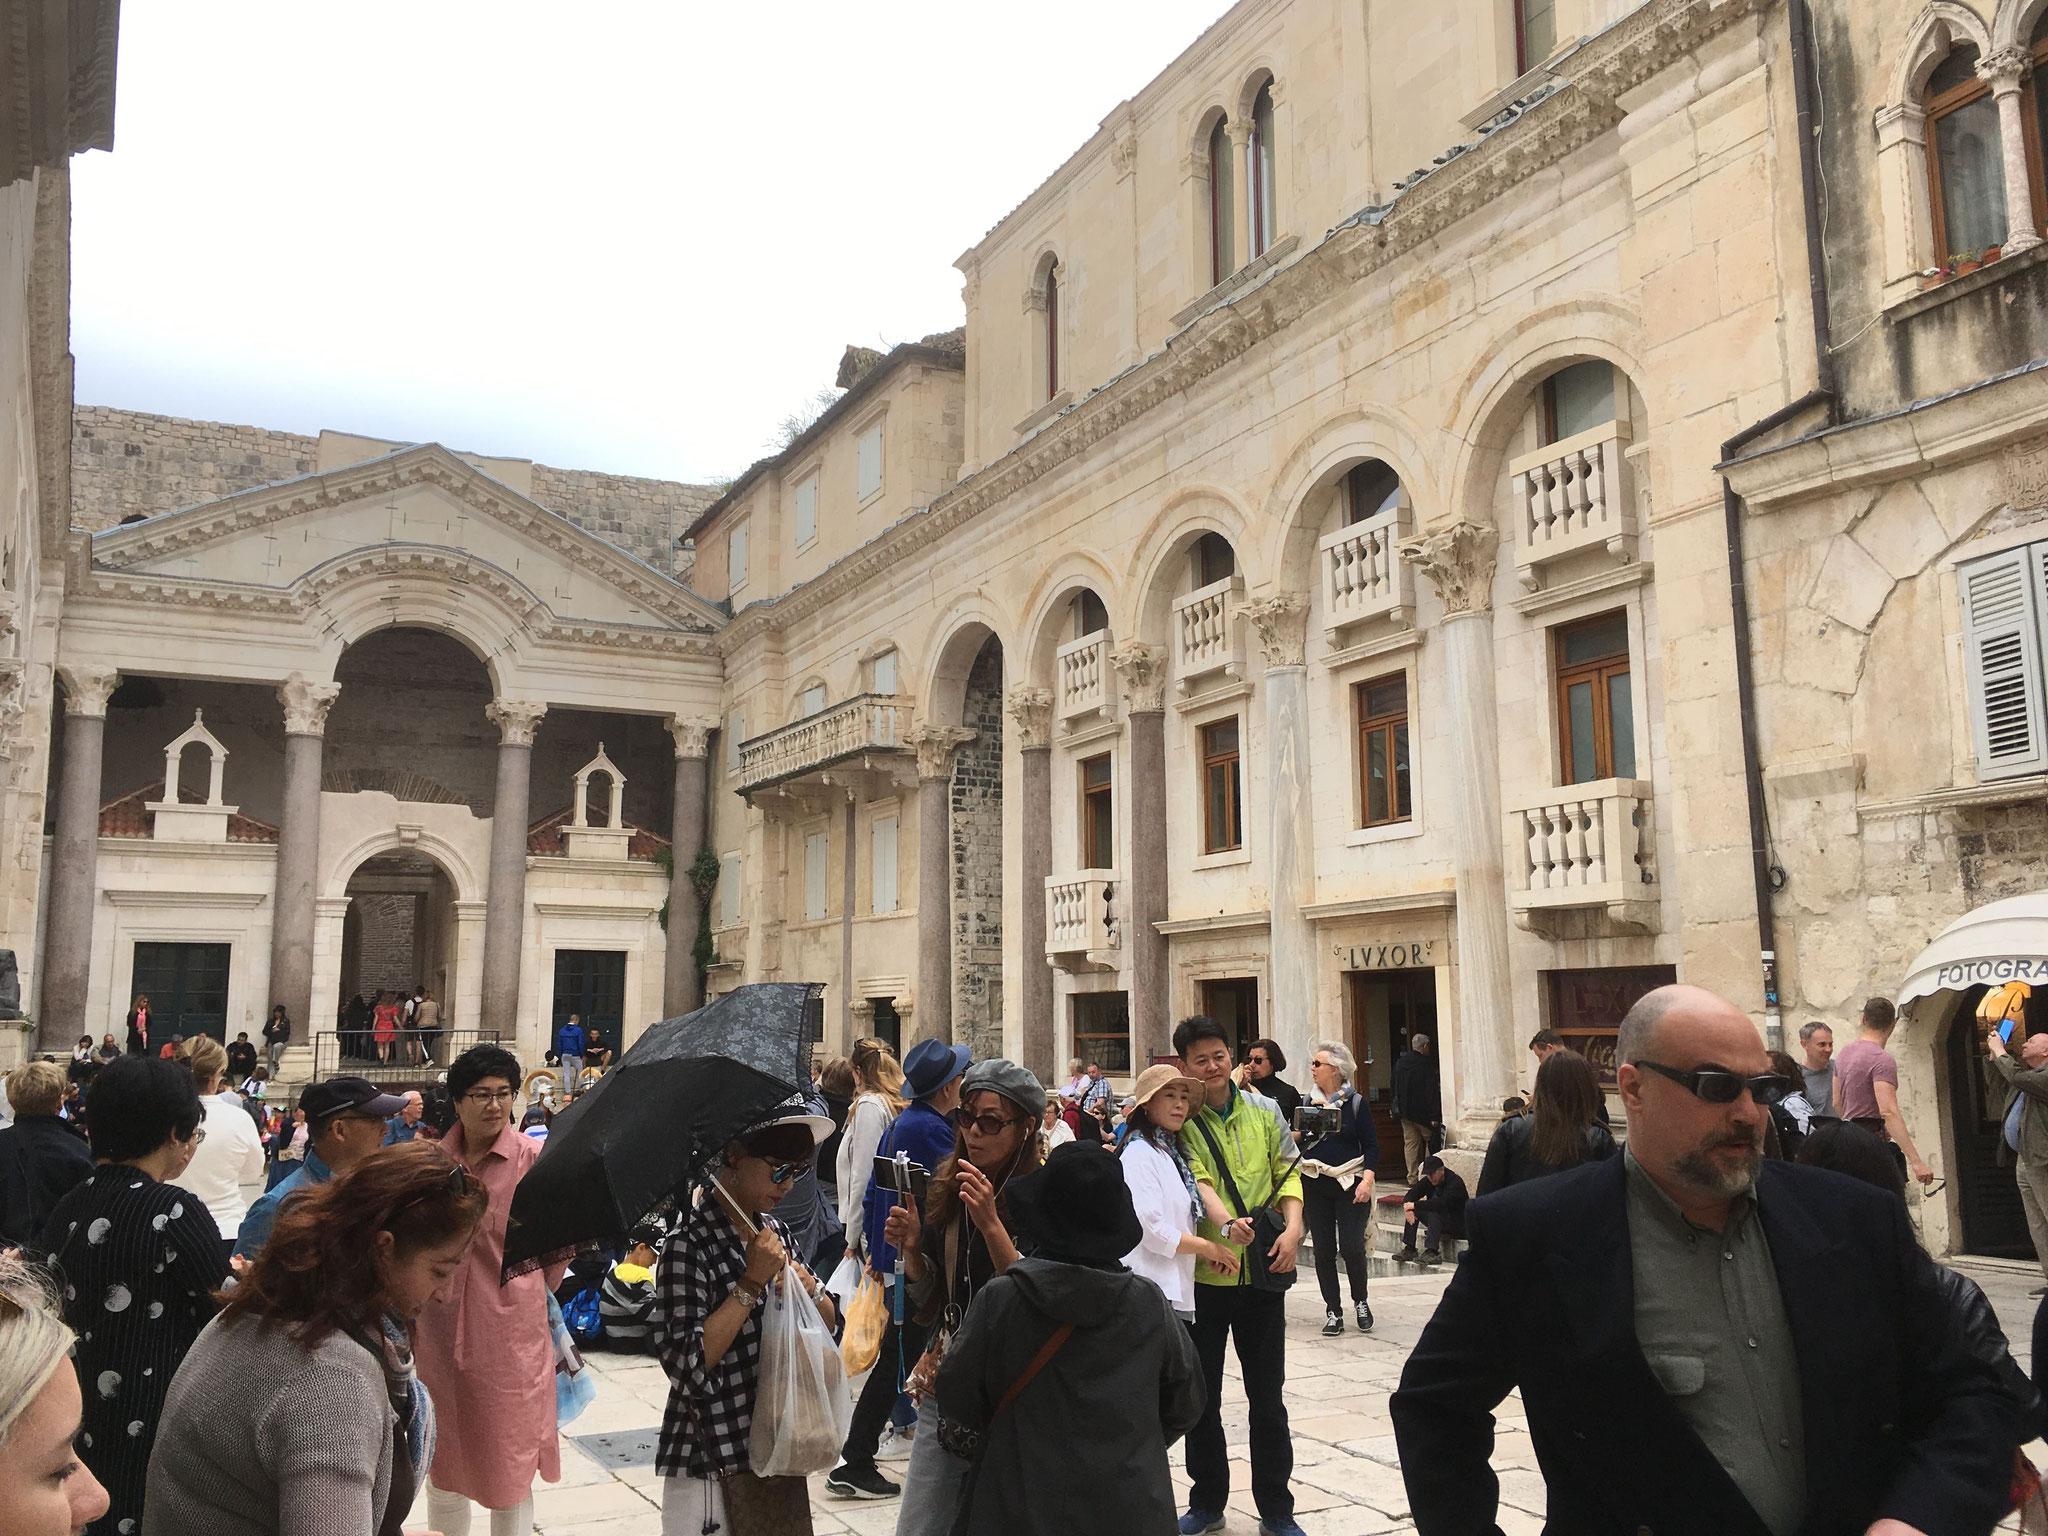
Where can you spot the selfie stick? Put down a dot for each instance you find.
(896, 1300)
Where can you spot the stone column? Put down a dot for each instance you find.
(1142, 669)
(505, 901)
(2006, 73)
(1459, 561)
(935, 745)
(298, 849)
(1031, 708)
(681, 989)
(847, 866)
(74, 857)
(1281, 622)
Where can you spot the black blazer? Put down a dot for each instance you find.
(1901, 1419)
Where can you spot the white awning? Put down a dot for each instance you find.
(2004, 941)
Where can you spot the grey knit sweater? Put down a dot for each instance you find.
(261, 1437)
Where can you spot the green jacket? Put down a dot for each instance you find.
(1255, 1148)
(2018, 1078)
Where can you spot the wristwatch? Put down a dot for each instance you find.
(749, 1296)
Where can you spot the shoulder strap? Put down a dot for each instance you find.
(1039, 1361)
(1222, 1167)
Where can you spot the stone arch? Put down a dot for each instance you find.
(1153, 575)
(1256, 79)
(1205, 128)
(1294, 510)
(469, 884)
(2015, 22)
(959, 636)
(489, 620)
(1937, 30)
(1043, 632)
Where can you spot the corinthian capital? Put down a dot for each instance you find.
(2006, 70)
(1031, 708)
(1143, 670)
(1281, 621)
(1459, 562)
(306, 704)
(86, 689)
(516, 720)
(935, 746)
(693, 735)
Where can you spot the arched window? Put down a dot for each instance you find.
(1090, 617)
(1263, 205)
(1222, 205)
(1052, 330)
(1577, 399)
(1370, 488)
(1965, 161)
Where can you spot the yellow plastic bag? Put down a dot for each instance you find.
(867, 1315)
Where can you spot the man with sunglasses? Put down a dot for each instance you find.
(345, 1122)
(1704, 1341)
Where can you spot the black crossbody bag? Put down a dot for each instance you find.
(1267, 1224)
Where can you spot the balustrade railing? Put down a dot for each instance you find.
(868, 722)
(1364, 576)
(1081, 668)
(1586, 845)
(1081, 924)
(1205, 634)
(1574, 495)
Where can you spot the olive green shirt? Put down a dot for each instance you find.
(1711, 1323)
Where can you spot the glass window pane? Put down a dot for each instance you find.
(1539, 31)
(1579, 730)
(1217, 831)
(1585, 397)
(1370, 489)
(1220, 738)
(1387, 698)
(1095, 771)
(1621, 726)
(1376, 777)
(1222, 204)
(1102, 833)
(1959, 68)
(1972, 177)
(1403, 799)
(1595, 641)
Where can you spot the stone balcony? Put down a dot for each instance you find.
(1083, 931)
(865, 726)
(1572, 496)
(1364, 576)
(1081, 672)
(1585, 851)
(1206, 640)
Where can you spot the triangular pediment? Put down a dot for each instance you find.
(420, 512)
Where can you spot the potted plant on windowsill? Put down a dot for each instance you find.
(1965, 263)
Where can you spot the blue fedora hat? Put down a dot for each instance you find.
(932, 1064)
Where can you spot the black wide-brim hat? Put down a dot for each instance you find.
(1077, 1206)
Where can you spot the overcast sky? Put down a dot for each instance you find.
(634, 241)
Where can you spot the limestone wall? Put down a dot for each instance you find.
(978, 861)
(642, 517)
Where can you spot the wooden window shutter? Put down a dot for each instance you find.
(815, 863)
(883, 873)
(729, 888)
(2002, 661)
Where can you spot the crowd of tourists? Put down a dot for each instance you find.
(1723, 1324)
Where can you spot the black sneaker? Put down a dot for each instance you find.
(1432, 1256)
(851, 1482)
(1407, 1253)
(1364, 1318)
(1333, 1323)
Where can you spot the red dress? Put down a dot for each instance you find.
(387, 1023)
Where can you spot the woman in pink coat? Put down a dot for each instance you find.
(486, 1354)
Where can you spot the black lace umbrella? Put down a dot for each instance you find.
(654, 1121)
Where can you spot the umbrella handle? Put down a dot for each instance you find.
(753, 1227)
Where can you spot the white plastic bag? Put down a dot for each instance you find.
(844, 1282)
(801, 1405)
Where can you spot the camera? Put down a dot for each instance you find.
(1312, 1122)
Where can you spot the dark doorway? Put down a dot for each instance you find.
(1586, 1007)
(591, 983)
(1234, 1003)
(888, 1024)
(1102, 1030)
(187, 986)
(1387, 1009)
(1994, 1222)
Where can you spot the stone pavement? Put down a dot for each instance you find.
(1347, 1479)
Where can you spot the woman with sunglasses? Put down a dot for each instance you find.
(337, 1437)
(962, 1241)
(486, 1352)
(1564, 1131)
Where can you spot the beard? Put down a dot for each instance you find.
(1716, 1180)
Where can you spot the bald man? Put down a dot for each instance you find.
(1705, 1343)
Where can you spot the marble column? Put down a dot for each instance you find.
(2006, 73)
(1031, 709)
(681, 988)
(935, 746)
(293, 906)
(505, 901)
(1459, 561)
(1142, 671)
(847, 866)
(1281, 623)
(74, 858)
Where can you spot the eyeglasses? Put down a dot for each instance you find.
(198, 1135)
(482, 1096)
(988, 1125)
(1713, 1085)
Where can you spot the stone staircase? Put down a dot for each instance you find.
(294, 1069)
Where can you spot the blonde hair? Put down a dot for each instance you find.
(876, 1070)
(36, 1088)
(34, 1341)
(207, 1058)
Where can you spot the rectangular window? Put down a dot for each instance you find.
(885, 673)
(882, 867)
(1596, 721)
(817, 856)
(1098, 814)
(736, 732)
(870, 448)
(1386, 794)
(807, 511)
(1586, 1007)
(813, 702)
(1535, 33)
(736, 558)
(1222, 814)
(729, 874)
(1102, 1030)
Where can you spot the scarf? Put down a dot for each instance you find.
(391, 1343)
(1170, 1145)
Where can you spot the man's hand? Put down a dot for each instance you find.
(1280, 1257)
(1922, 1172)
(1408, 1210)
(1994, 1044)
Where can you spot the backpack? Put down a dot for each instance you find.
(586, 1323)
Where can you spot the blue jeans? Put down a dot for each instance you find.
(1258, 1319)
(934, 1484)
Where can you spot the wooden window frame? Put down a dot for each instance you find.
(1221, 235)
(1950, 101)
(2030, 131)
(1600, 672)
(1258, 235)
(1098, 806)
(1523, 63)
(1232, 761)
(1052, 330)
(1370, 726)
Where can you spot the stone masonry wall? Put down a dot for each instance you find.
(978, 861)
(642, 517)
(387, 959)
(125, 463)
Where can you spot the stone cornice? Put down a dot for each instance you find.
(1575, 112)
(428, 464)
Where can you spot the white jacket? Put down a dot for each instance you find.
(231, 1156)
(1161, 1200)
(865, 1123)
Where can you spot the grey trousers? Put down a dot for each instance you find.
(2032, 1179)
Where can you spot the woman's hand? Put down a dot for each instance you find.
(765, 1258)
(1362, 1194)
(903, 1231)
(1221, 1258)
(979, 1196)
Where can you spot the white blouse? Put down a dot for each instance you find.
(865, 1125)
(1162, 1203)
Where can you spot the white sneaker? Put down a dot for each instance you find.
(895, 1443)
